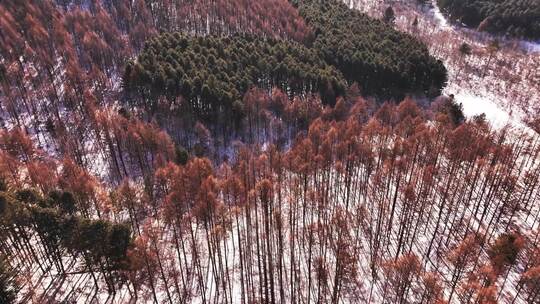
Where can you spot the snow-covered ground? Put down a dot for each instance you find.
(476, 105)
(506, 87)
(477, 102)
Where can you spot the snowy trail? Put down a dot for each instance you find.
(439, 17)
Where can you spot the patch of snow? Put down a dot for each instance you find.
(531, 46)
(476, 105)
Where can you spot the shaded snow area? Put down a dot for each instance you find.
(479, 100)
(476, 102)
(531, 46)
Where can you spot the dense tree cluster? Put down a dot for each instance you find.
(212, 73)
(368, 51)
(62, 62)
(26, 216)
(519, 18)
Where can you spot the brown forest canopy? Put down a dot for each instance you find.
(365, 196)
(273, 18)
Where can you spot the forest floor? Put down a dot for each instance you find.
(504, 84)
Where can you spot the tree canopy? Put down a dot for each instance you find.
(381, 59)
(519, 18)
(213, 73)
(99, 240)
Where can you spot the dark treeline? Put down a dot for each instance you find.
(370, 52)
(52, 231)
(212, 74)
(519, 18)
(179, 78)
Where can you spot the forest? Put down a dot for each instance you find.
(212, 74)
(517, 18)
(370, 52)
(271, 151)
